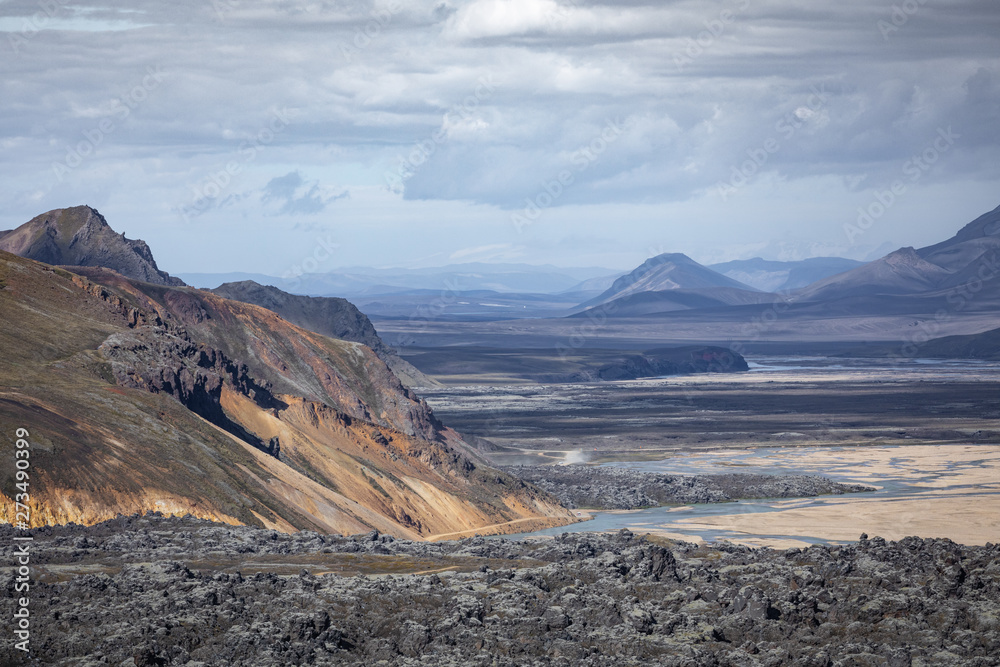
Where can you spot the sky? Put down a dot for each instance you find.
(281, 136)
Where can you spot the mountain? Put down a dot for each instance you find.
(669, 271)
(641, 304)
(958, 268)
(969, 244)
(80, 236)
(141, 396)
(595, 285)
(355, 281)
(774, 276)
(329, 316)
(900, 272)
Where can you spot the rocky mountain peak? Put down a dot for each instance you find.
(80, 236)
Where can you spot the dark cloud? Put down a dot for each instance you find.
(699, 88)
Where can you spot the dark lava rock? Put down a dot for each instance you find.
(619, 488)
(148, 591)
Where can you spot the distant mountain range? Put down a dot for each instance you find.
(967, 262)
(773, 276)
(454, 278)
(945, 277)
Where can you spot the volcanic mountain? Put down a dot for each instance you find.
(670, 282)
(141, 396)
(329, 316)
(80, 236)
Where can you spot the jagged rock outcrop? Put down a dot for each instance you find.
(80, 236)
(184, 591)
(623, 489)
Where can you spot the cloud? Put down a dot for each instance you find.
(485, 253)
(698, 88)
(294, 196)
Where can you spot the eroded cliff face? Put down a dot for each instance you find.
(149, 397)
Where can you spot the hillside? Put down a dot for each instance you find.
(80, 236)
(956, 269)
(329, 316)
(641, 304)
(900, 272)
(968, 244)
(150, 397)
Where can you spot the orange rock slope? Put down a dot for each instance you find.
(145, 397)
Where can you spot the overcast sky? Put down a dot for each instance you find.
(260, 136)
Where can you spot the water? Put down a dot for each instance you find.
(895, 471)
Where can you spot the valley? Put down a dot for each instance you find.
(924, 433)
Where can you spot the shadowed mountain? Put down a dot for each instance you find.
(960, 269)
(969, 244)
(899, 272)
(80, 236)
(773, 276)
(330, 316)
